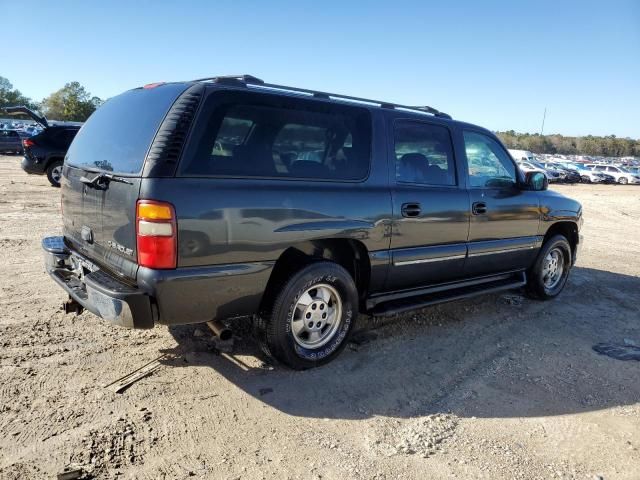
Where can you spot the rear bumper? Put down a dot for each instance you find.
(171, 297)
(32, 166)
(96, 291)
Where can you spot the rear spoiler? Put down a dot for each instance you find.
(41, 119)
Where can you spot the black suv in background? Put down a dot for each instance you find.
(228, 198)
(44, 152)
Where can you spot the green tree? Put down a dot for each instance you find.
(10, 97)
(609, 146)
(72, 102)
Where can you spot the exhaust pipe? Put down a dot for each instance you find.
(219, 330)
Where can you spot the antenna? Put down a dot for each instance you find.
(544, 115)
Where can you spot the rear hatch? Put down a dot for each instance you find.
(102, 176)
(40, 119)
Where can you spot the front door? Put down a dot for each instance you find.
(504, 218)
(430, 209)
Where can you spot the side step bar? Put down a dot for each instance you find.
(426, 298)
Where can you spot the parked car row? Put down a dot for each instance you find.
(560, 170)
(620, 174)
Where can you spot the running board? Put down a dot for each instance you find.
(400, 305)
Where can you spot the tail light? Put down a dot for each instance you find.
(27, 142)
(157, 236)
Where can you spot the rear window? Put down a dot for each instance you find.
(117, 136)
(253, 135)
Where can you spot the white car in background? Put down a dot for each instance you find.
(529, 167)
(621, 175)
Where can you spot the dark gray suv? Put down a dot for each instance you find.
(227, 198)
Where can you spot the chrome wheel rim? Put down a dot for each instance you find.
(553, 268)
(317, 316)
(56, 173)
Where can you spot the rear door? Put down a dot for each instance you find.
(430, 206)
(99, 216)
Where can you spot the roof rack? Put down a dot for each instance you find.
(247, 80)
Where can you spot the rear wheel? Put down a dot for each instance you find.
(312, 316)
(549, 274)
(54, 172)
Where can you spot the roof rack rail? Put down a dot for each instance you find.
(251, 80)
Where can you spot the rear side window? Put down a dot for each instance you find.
(117, 136)
(424, 154)
(252, 135)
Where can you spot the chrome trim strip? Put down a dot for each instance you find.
(428, 260)
(504, 250)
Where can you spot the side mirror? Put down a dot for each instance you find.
(536, 181)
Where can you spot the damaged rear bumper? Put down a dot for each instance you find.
(95, 290)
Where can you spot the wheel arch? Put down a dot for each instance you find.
(52, 158)
(568, 229)
(351, 254)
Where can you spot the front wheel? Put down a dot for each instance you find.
(54, 172)
(549, 274)
(585, 179)
(622, 181)
(312, 316)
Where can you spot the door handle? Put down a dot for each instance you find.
(479, 208)
(411, 209)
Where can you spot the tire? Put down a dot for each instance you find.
(622, 181)
(54, 173)
(295, 332)
(585, 179)
(548, 276)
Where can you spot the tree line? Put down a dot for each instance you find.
(609, 146)
(71, 103)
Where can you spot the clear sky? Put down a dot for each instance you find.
(497, 64)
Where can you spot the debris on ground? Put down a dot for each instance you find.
(422, 436)
(510, 299)
(619, 352)
(70, 472)
(121, 384)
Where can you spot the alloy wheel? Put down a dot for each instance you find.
(317, 316)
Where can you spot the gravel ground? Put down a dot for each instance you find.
(497, 387)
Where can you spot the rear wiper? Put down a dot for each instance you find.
(102, 180)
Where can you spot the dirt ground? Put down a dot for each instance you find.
(497, 387)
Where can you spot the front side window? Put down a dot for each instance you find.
(272, 137)
(424, 154)
(489, 164)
